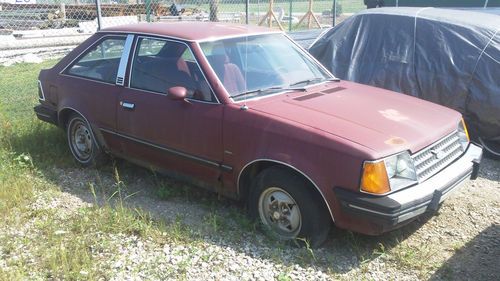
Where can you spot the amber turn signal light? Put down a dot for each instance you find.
(465, 130)
(374, 179)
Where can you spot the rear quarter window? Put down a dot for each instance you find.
(101, 61)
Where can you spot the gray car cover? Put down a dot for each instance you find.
(451, 57)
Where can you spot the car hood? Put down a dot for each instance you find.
(385, 122)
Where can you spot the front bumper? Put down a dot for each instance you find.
(395, 209)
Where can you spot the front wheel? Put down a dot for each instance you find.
(492, 148)
(81, 141)
(288, 207)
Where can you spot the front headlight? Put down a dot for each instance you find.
(389, 174)
(463, 134)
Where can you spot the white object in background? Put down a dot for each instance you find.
(20, 1)
(91, 26)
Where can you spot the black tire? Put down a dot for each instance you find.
(491, 149)
(295, 195)
(82, 143)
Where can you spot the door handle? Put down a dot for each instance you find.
(127, 105)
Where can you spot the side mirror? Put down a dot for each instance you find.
(177, 93)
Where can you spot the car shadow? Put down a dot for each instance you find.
(477, 260)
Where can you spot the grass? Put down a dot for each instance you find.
(61, 245)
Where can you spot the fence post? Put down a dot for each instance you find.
(62, 9)
(98, 10)
(247, 3)
(334, 12)
(148, 10)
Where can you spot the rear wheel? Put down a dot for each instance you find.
(288, 207)
(81, 141)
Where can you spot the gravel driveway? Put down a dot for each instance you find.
(460, 242)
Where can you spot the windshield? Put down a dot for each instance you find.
(261, 65)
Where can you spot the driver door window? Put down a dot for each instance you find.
(161, 64)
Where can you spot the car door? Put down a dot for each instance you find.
(183, 136)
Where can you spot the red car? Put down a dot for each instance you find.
(247, 113)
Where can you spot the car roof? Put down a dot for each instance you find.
(190, 31)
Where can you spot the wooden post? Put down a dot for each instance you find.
(270, 15)
(308, 16)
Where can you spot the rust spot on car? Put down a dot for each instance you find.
(395, 141)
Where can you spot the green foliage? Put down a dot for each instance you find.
(165, 191)
(20, 131)
(216, 222)
(284, 277)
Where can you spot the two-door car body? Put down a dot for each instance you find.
(247, 113)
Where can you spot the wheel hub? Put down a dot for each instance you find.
(81, 141)
(276, 215)
(278, 209)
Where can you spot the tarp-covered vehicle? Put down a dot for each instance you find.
(451, 57)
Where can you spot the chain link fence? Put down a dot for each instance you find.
(63, 24)
(56, 26)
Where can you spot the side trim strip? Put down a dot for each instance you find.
(292, 167)
(173, 151)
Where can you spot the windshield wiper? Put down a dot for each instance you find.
(312, 80)
(268, 89)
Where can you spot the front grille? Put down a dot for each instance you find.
(433, 158)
